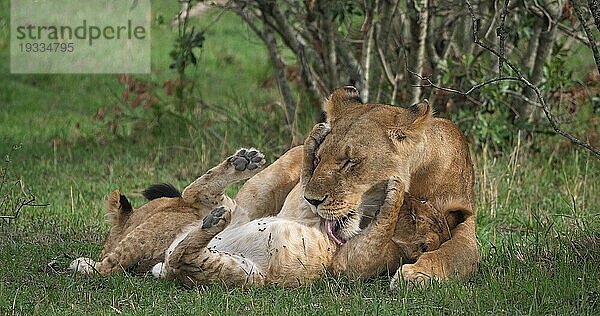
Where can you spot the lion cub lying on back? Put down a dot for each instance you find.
(281, 251)
(138, 238)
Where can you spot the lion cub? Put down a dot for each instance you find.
(421, 228)
(138, 238)
(404, 229)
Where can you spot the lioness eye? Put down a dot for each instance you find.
(423, 247)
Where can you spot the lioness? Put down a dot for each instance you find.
(368, 144)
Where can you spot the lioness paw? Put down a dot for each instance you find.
(410, 274)
(83, 265)
(247, 159)
(218, 217)
(319, 132)
(394, 195)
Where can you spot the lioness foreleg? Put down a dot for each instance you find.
(359, 256)
(311, 145)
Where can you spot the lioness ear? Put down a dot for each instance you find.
(411, 121)
(420, 113)
(339, 101)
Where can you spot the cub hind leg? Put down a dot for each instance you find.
(265, 193)
(193, 263)
(208, 190)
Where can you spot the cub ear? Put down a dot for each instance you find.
(455, 216)
(118, 207)
(339, 101)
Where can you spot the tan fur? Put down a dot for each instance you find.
(369, 148)
(137, 239)
(371, 143)
(405, 228)
(145, 235)
(429, 155)
(288, 249)
(292, 248)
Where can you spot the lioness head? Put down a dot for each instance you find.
(368, 144)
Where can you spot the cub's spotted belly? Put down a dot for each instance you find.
(284, 250)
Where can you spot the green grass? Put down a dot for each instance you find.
(538, 224)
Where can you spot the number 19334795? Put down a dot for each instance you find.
(36, 47)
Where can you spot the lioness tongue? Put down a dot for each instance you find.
(329, 229)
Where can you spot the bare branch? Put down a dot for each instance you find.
(29, 201)
(502, 35)
(588, 32)
(522, 79)
(11, 202)
(573, 33)
(594, 6)
(384, 64)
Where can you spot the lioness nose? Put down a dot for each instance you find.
(314, 202)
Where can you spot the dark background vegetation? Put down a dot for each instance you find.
(253, 73)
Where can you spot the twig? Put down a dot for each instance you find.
(587, 32)
(573, 34)
(524, 98)
(567, 30)
(6, 198)
(27, 202)
(384, 64)
(502, 34)
(430, 84)
(594, 6)
(522, 79)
